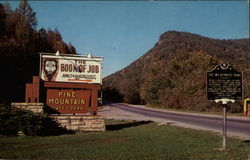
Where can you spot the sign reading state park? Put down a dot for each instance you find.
(71, 68)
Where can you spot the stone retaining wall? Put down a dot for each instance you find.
(80, 122)
(34, 107)
(70, 122)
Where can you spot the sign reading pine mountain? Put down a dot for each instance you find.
(224, 82)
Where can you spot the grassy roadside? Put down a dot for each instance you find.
(126, 140)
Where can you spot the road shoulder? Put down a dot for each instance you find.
(186, 113)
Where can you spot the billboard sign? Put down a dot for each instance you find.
(71, 68)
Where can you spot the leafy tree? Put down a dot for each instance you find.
(72, 49)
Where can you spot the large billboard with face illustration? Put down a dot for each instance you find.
(71, 68)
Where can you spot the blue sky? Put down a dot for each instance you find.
(121, 32)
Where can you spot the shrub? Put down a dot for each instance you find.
(13, 120)
(8, 122)
(235, 107)
(111, 94)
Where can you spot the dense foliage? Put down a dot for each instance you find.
(173, 73)
(14, 121)
(20, 44)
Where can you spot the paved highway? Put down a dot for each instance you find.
(236, 126)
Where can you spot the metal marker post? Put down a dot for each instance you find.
(224, 126)
(224, 103)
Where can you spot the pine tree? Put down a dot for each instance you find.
(2, 20)
(26, 24)
(26, 14)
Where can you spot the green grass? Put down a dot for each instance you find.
(127, 140)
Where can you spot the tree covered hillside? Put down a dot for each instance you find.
(20, 43)
(173, 73)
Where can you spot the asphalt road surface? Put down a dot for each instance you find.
(236, 126)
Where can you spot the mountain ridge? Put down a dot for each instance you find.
(175, 52)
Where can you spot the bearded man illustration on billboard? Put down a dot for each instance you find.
(50, 69)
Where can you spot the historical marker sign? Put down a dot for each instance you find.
(224, 82)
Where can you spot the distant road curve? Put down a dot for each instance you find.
(238, 127)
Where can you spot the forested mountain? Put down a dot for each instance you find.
(20, 43)
(173, 73)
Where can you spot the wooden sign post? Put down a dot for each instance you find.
(224, 84)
